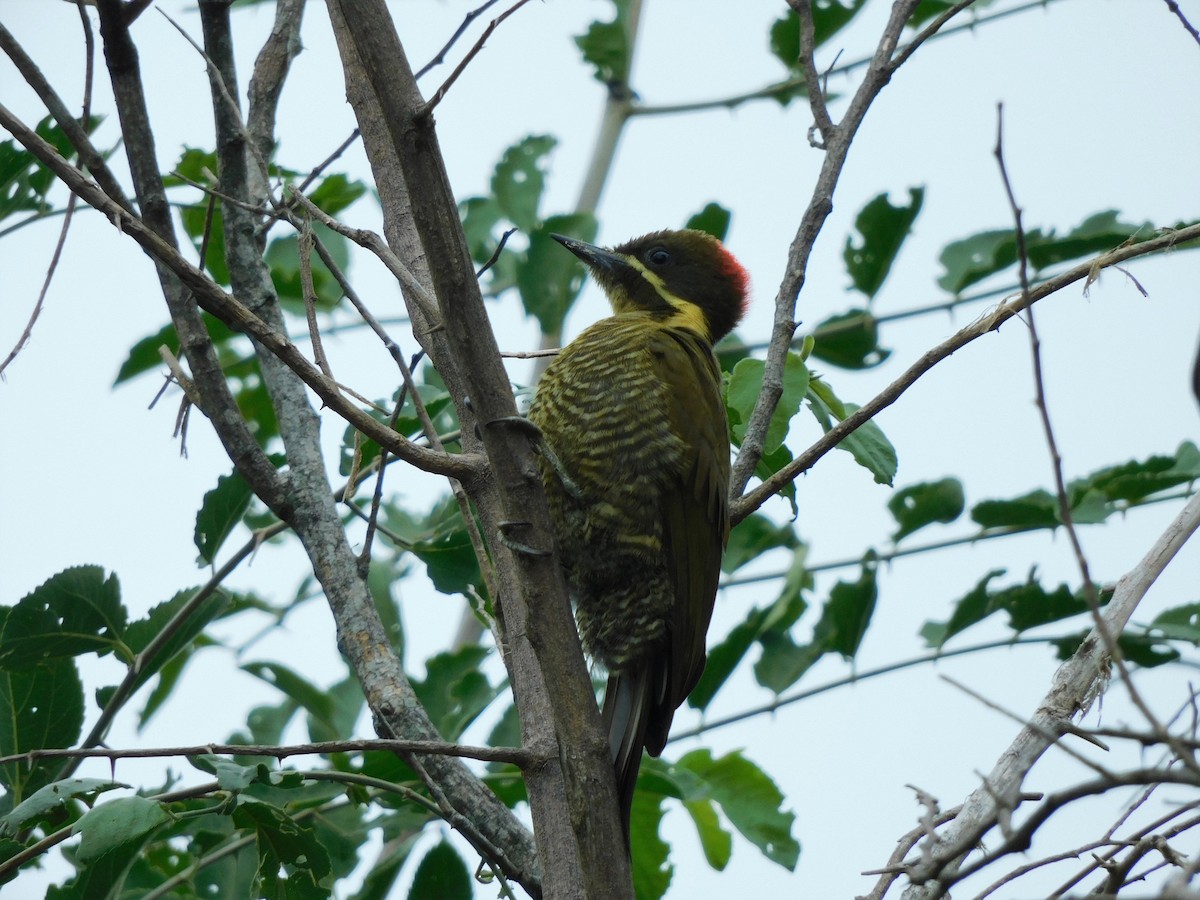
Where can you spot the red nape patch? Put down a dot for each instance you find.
(736, 272)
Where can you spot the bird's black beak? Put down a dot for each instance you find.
(596, 258)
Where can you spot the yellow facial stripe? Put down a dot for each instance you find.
(686, 315)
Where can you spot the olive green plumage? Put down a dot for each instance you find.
(632, 411)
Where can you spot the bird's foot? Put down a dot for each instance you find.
(543, 447)
(513, 544)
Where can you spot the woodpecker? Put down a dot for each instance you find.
(636, 475)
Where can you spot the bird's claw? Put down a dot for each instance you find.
(521, 422)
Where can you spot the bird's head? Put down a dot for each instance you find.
(685, 277)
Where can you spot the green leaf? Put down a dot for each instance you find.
(650, 864)
(1179, 623)
(24, 182)
(867, 444)
(772, 462)
(847, 613)
(40, 708)
(336, 192)
(140, 633)
(346, 702)
(767, 626)
(849, 340)
(504, 778)
(550, 278)
(437, 402)
(307, 695)
(206, 228)
(283, 258)
(450, 561)
(74, 612)
(745, 385)
(829, 17)
(919, 505)
(518, 180)
(972, 259)
(1028, 605)
(441, 875)
(754, 536)
(231, 776)
(455, 691)
(1134, 480)
(123, 823)
(1145, 649)
(882, 228)
(716, 842)
(282, 840)
(748, 798)
(480, 216)
(114, 837)
(724, 657)
(220, 512)
(713, 219)
(378, 882)
(50, 798)
(1037, 509)
(144, 356)
(605, 47)
(783, 661)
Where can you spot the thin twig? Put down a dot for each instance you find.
(433, 101)
(440, 56)
(854, 678)
(328, 161)
(223, 91)
(495, 257)
(789, 85)
(84, 118)
(1051, 735)
(518, 756)
(812, 81)
(932, 30)
(1188, 26)
(371, 241)
(812, 221)
(27, 333)
(305, 248)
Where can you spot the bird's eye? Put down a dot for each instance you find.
(658, 256)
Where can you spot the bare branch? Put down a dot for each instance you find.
(440, 56)
(27, 332)
(433, 101)
(270, 72)
(812, 81)
(304, 248)
(783, 329)
(225, 307)
(933, 28)
(1074, 687)
(1187, 26)
(991, 321)
(369, 240)
(1060, 485)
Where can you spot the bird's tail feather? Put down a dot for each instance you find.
(628, 706)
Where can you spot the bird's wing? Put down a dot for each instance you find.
(695, 513)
